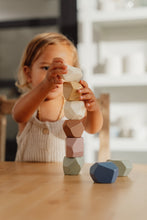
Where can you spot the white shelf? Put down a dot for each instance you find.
(122, 32)
(136, 15)
(105, 80)
(122, 144)
(127, 144)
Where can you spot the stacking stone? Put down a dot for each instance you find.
(70, 91)
(104, 172)
(73, 128)
(74, 147)
(72, 166)
(124, 167)
(74, 110)
(73, 161)
(73, 74)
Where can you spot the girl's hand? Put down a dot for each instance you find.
(56, 69)
(88, 97)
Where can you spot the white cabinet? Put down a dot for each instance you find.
(113, 56)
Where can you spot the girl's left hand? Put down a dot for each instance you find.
(88, 97)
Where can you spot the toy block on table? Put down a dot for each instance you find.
(124, 166)
(73, 74)
(73, 128)
(74, 147)
(72, 166)
(104, 172)
(74, 109)
(70, 91)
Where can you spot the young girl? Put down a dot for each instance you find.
(39, 112)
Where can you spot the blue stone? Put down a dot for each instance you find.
(104, 172)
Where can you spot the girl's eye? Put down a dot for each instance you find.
(45, 67)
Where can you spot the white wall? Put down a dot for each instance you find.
(14, 40)
(19, 9)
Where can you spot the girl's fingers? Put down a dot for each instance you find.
(86, 97)
(58, 59)
(84, 91)
(57, 72)
(56, 80)
(90, 107)
(57, 66)
(84, 83)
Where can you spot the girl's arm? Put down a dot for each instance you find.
(94, 120)
(28, 103)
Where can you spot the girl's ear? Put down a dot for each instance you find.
(27, 72)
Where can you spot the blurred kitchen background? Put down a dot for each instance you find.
(111, 38)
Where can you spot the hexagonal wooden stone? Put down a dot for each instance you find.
(70, 91)
(73, 128)
(104, 172)
(124, 166)
(72, 166)
(74, 110)
(74, 147)
(73, 74)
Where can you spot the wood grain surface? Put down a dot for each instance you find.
(40, 191)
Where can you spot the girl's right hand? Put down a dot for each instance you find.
(54, 74)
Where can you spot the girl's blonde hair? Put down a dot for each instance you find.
(35, 49)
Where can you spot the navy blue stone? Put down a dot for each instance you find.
(104, 172)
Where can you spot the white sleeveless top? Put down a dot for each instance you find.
(41, 141)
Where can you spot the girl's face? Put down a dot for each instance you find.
(40, 67)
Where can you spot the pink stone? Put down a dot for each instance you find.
(74, 147)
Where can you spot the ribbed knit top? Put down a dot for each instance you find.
(41, 141)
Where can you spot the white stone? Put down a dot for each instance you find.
(73, 74)
(74, 110)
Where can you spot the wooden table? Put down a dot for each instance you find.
(40, 191)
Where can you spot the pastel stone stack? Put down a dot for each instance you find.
(74, 110)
